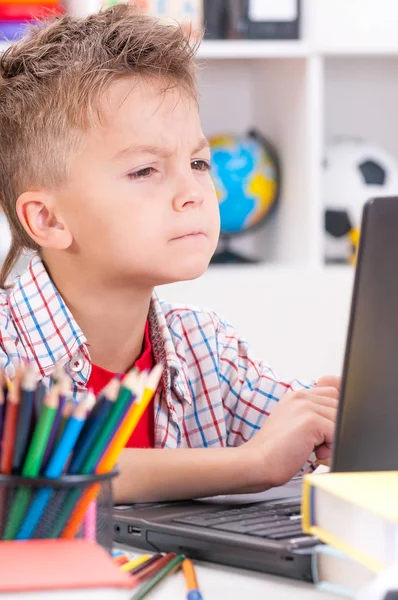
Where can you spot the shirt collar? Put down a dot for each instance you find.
(165, 352)
(50, 334)
(45, 325)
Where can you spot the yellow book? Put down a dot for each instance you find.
(356, 513)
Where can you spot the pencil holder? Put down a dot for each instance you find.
(68, 507)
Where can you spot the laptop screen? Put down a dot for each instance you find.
(367, 424)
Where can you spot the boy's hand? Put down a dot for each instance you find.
(302, 421)
(329, 381)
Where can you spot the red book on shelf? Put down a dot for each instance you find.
(28, 12)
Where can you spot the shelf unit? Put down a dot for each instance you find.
(341, 77)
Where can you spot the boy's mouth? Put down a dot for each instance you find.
(187, 236)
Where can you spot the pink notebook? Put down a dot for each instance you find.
(63, 568)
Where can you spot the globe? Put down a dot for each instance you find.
(246, 177)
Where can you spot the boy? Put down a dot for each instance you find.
(104, 172)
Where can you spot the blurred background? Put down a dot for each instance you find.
(299, 100)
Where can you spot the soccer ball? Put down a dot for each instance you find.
(354, 171)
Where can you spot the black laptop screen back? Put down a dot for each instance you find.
(367, 424)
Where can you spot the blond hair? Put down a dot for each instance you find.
(50, 85)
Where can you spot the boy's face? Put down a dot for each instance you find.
(140, 204)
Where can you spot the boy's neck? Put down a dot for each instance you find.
(113, 321)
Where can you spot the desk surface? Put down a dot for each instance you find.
(217, 581)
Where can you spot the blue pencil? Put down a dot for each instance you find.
(55, 466)
(25, 414)
(62, 380)
(93, 427)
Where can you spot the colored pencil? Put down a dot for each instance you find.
(55, 466)
(193, 592)
(32, 464)
(93, 426)
(111, 454)
(40, 394)
(146, 564)
(172, 566)
(131, 421)
(89, 437)
(131, 564)
(64, 384)
(66, 413)
(150, 570)
(125, 395)
(121, 560)
(90, 522)
(25, 414)
(10, 429)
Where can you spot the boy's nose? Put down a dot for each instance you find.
(188, 195)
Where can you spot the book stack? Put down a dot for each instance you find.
(17, 15)
(356, 516)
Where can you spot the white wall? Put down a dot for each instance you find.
(295, 319)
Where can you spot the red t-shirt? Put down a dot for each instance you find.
(143, 436)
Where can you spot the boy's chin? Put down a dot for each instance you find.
(185, 272)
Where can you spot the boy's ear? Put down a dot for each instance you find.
(42, 221)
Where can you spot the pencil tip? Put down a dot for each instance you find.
(154, 377)
(111, 390)
(29, 379)
(87, 404)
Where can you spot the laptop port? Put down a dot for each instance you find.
(132, 530)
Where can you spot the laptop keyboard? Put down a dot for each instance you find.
(275, 521)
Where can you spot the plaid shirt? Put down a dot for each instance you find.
(213, 393)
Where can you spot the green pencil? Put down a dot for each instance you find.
(96, 451)
(172, 566)
(33, 460)
(108, 429)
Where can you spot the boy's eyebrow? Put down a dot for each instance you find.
(156, 150)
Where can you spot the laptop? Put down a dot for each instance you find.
(263, 532)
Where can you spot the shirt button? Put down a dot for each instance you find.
(76, 364)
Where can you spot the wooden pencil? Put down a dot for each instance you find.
(33, 461)
(119, 441)
(173, 565)
(92, 428)
(64, 386)
(25, 415)
(10, 427)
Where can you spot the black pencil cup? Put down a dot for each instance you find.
(77, 506)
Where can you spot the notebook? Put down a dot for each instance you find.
(267, 535)
(60, 570)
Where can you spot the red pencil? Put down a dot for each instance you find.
(10, 426)
(154, 567)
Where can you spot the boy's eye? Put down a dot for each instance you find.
(142, 173)
(200, 165)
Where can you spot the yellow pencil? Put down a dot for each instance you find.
(111, 455)
(126, 567)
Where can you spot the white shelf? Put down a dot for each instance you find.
(340, 78)
(237, 49)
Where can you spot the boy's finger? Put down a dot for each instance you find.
(323, 452)
(330, 392)
(329, 381)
